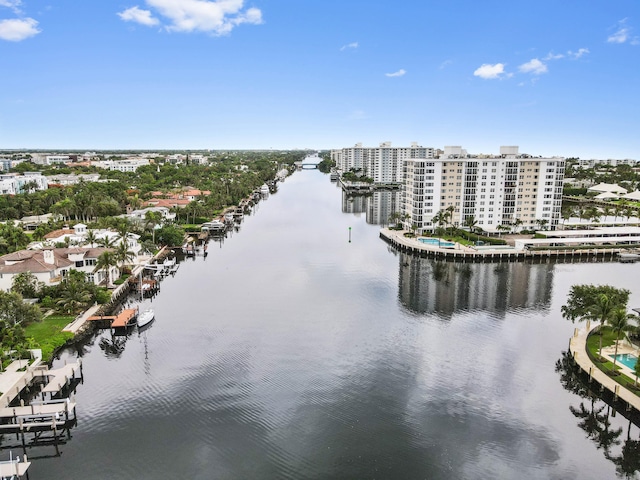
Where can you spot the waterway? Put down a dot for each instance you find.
(305, 347)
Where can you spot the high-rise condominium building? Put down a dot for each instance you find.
(506, 189)
(384, 164)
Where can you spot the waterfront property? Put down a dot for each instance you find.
(436, 242)
(491, 190)
(580, 355)
(429, 247)
(52, 265)
(124, 319)
(611, 236)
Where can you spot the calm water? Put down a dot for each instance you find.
(290, 352)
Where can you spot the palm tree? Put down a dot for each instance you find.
(517, 223)
(91, 238)
(470, 222)
(502, 228)
(449, 215)
(153, 219)
(106, 260)
(106, 242)
(619, 323)
(74, 296)
(123, 228)
(123, 254)
(542, 222)
(439, 218)
(601, 310)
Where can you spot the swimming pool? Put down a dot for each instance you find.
(627, 360)
(437, 242)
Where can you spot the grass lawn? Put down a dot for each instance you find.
(48, 334)
(608, 339)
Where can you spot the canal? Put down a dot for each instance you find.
(303, 346)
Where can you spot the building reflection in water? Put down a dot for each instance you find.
(378, 206)
(444, 287)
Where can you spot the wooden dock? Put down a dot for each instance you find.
(60, 377)
(124, 319)
(14, 468)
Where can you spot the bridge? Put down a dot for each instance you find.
(306, 166)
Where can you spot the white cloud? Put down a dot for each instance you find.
(553, 56)
(12, 4)
(217, 17)
(580, 53)
(15, 30)
(534, 66)
(488, 71)
(623, 34)
(353, 45)
(137, 15)
(399, 73)
(445, 64)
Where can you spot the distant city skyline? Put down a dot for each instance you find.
(556, 79)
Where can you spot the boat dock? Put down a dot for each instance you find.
(52, 381)
(14, 468)
(124, 319)
(37, 422)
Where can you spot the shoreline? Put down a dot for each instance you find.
(580, 356)
(504, 254)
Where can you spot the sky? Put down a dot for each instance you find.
(557, 78)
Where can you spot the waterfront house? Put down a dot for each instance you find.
(51, 265)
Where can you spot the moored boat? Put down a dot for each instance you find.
(146, 317)
(264, 188)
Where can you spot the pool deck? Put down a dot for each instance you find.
(500, 253)
(578, 349)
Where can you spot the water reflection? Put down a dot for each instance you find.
(445, 287)
(597, 418)
(378, 205)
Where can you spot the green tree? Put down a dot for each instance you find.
(26, 284)
(91, 239)
(171, 235)
(106, 260)
(471, 223)
(591, 302)
(618, 320)
(75, 295)
(123, 254)
(107, 241)
(15, 311)
(152, 219)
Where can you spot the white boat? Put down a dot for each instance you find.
(228, 217)
(628, 257)
(264, 188)
(213, 226)
(146, 317)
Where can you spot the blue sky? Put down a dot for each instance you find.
(555, 78)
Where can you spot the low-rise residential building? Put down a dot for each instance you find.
(127, 165)
(139, 216)
(56, 159)
(591, 163)
(72, 179)
(13, 183)
(50, 266)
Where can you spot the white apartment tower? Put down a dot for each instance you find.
(384, 164)
(506, 189)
